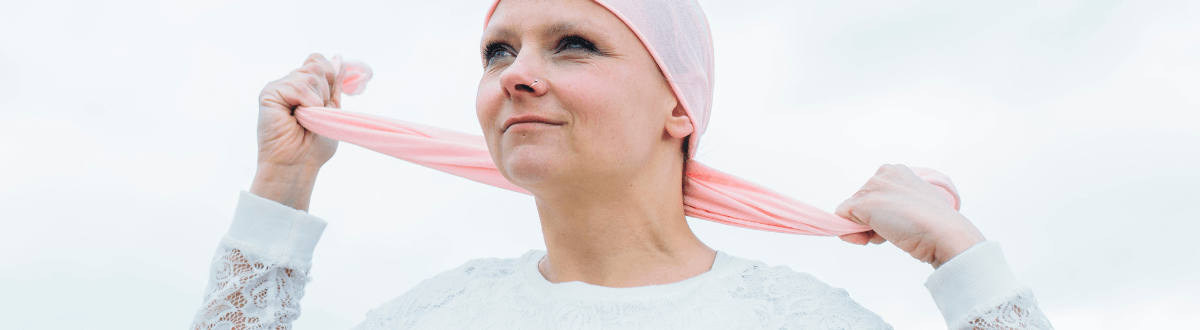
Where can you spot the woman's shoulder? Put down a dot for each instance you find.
(474, 270)
(436, 292)
(755, 271)
(491, 268)
(797, 293)
(755, 277)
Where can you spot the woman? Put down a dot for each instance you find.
(585, 107)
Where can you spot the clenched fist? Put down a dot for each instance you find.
(902, 208)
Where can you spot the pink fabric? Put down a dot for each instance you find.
(677, 36)
(710, 194)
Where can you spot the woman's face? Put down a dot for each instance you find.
(600, 111)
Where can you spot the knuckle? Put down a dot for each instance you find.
(267, 88)
(271, 88)
(324, 63)
(309, 80)
(320, 82)
(267, 101)
(874, 183)
(310, 68)
(885, 170)
(860, 193)
(299, 86)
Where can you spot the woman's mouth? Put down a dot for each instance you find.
(529, 121)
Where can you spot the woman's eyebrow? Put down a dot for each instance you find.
(575, 27)
(499, 33)
(559, 28)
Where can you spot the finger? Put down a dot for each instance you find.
(904, 176)
(289, 92)
(883, 169)
(890, 175)
(876, 239)
(849, 209)
(331, 71)
(301, 92)
(317, 78)
(313, 58)
(856, 238)
(843, 209)
(905, 173)
(327, 71)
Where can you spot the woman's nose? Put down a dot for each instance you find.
(521, 78)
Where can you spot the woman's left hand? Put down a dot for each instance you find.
(902, 208)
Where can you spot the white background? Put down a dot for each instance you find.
(1072, 129)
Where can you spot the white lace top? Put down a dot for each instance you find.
(261, 267)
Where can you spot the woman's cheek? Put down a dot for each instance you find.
(487, 107)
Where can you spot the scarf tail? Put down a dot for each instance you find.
(710, 194)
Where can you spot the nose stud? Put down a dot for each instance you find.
(535, 81)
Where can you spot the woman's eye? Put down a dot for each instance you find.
(495, 51)
(574, 42)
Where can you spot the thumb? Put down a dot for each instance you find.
(861, 238)
(847, 210)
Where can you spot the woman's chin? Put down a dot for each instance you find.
(528, 166)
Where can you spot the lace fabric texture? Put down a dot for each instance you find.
(1018, 312)
(493, 293)
(248, 291)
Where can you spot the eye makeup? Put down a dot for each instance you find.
(569, 41)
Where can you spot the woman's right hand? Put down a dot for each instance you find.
(289, 155)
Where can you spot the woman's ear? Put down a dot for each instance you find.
(679, 125)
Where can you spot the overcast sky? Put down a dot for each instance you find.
(1072, 129)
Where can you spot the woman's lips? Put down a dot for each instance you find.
(529, 125)
(528, 120)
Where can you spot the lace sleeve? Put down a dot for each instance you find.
(976, 290)
(260, 269)
(1020, 311)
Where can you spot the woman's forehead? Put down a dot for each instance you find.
(547, 17)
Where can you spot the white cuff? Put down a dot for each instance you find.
(973, 278)
(278, 232)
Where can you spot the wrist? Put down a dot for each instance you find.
(290, 185)
(288, 173)
(953, 247)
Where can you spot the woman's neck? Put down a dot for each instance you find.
(622, 235)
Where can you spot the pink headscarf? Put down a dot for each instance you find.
(676, 34)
